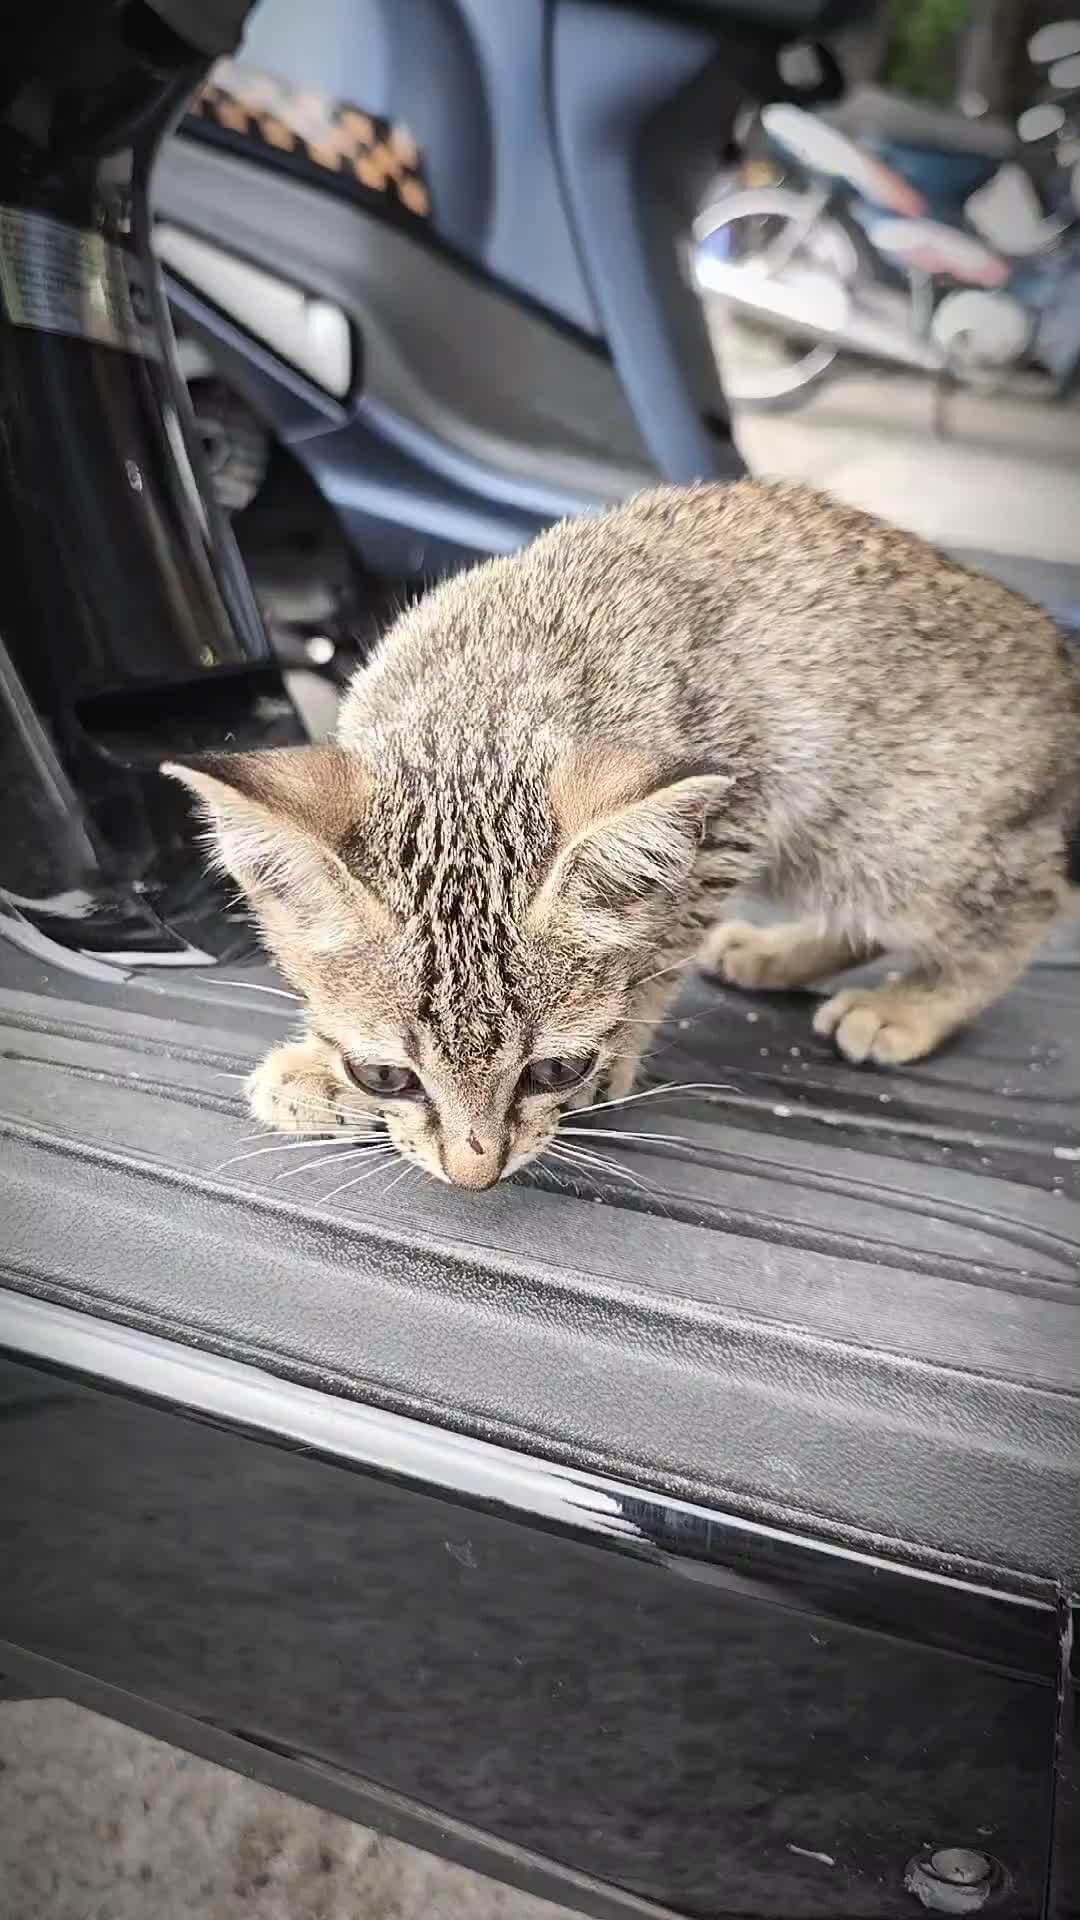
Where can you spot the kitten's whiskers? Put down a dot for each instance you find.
(615, 1133)
(331, 1159)
(651, 1093)
(346, 1184)
(661, 972)
(290, 1146)
(249, 986)
(410, 1167)
(600, 1162)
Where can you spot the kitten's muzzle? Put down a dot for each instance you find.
(475, 1159)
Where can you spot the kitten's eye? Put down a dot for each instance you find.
(558, 1074)
(390, 1083)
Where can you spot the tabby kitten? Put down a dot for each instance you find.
(557, 766)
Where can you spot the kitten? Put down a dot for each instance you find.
(557, 766)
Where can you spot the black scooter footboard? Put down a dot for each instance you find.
(702, 1540)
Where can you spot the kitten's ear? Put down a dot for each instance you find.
(278, 821)
(630, 845)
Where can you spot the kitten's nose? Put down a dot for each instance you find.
(474, 1159)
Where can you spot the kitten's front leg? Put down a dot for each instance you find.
(614, 1084)
(635, 1038)
(299, 1088)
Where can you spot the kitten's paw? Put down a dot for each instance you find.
(617, 1082)
(768, 957)
(613, 1084)
(295, 1090)
(889, 1025)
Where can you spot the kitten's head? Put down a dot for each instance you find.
(471, 942)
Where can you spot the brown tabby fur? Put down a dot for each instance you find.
(558, 765)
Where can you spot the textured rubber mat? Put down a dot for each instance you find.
(843, 1298)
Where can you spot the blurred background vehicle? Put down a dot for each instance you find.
(420, 315)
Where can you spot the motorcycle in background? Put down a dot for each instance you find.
(922, 243)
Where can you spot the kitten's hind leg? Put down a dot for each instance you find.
(297, 1089)
(793, 955)
(914, 1012)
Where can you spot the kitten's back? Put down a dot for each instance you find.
(754, 617)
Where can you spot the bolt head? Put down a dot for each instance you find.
(960, 1866)
(957, 1880)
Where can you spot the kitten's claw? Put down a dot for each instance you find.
(888, 1025)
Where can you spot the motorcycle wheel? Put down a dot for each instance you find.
(236, 445)
(768, 371)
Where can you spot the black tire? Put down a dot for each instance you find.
(236, 445)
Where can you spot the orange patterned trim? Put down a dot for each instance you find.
(323, 135)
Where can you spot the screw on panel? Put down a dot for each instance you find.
(953, 1879)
